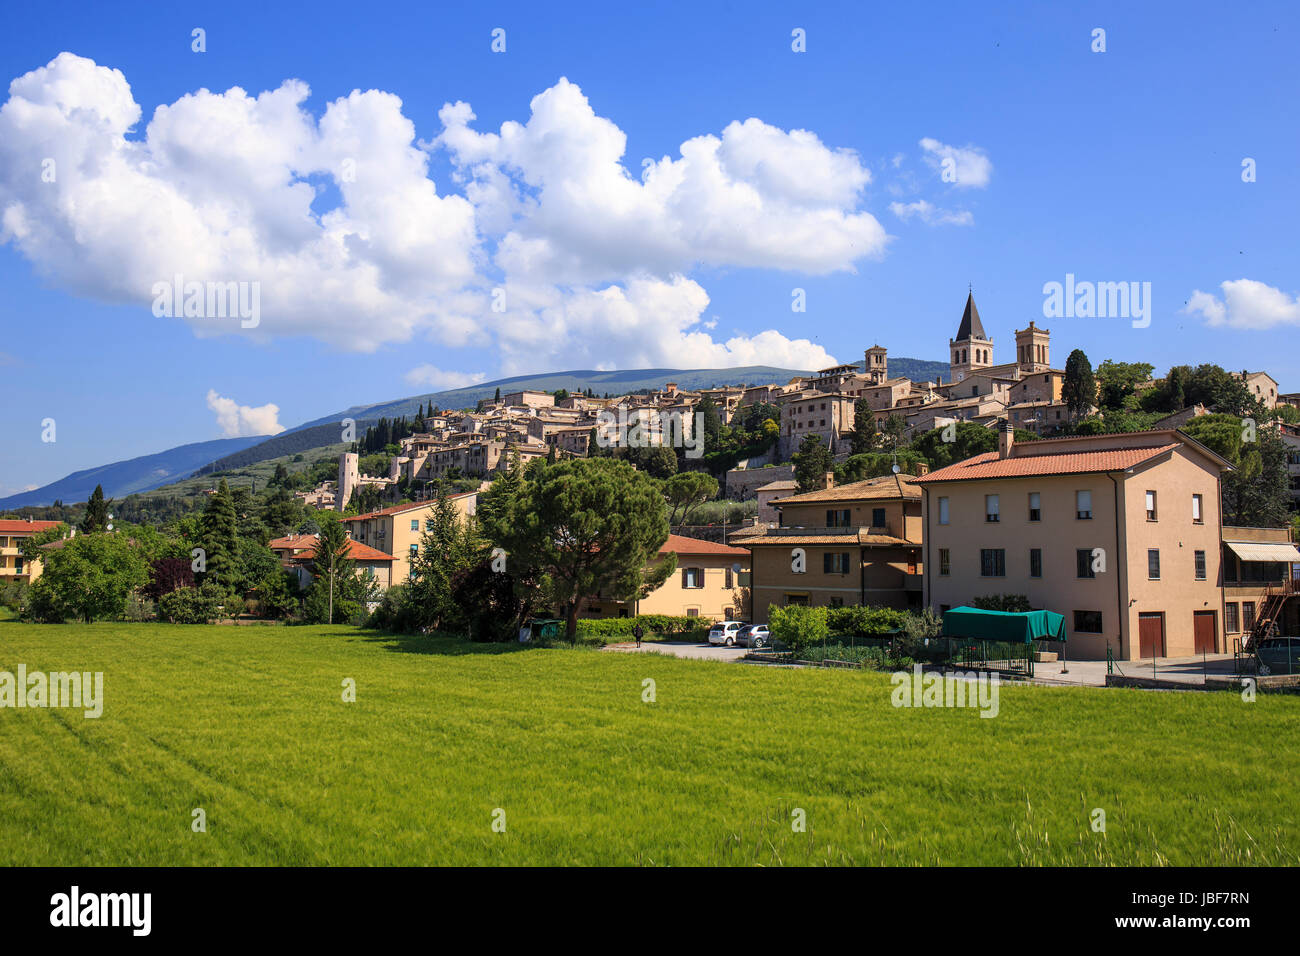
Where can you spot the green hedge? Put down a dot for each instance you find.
(665, 624)
(864, 621)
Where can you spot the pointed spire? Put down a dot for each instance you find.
(970, 327)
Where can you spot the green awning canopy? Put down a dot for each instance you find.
(1010, 626)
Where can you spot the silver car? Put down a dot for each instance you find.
(755, 635)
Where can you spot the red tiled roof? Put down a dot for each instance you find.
(291, 541)
(680, 544)
(21, 525)
(356, 551)
(989, 465)
(398, 509)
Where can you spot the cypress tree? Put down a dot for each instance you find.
(219, 533)
(96, 518)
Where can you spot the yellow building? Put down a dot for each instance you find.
(13, 567)
(397, 530)
(709, 582)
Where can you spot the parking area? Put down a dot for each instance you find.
(703, 652)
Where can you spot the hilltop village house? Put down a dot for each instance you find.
(1120, 533)
(710, 582)
(13, 531)
(857, 543)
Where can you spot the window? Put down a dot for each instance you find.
(415, 549)
(1196, 510)
(943, 511)
(1035, 506)
(837, 602)
(837, 518)
(1153, 564)
(1083, 504)
(945, 561)
(1083, 563)
(993, 563)
(1230, 613)
(415, 524)
(727, 581)
(877, 517)
(835, 563)
(692, 577)
(428, 524)
(1151, 506)
(1035, 562)
(1087, 622)
(990, 507)
(796, 600)
(1200, 565)
(18, 564)
(1247, 615)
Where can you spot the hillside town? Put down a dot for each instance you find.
(1001, 483)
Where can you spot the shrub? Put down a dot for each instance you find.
(798, 627)
(43, 605)
(139, 608)
(201, 605)
(13, 594)
(277, 595)
(864, 621)
(394, 612)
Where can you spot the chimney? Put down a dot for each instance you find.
(922, 468)
(828, 482)
(1006, 438)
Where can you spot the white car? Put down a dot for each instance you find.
(725, 632)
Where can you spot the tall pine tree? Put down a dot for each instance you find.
(219, 534)
(96, 518)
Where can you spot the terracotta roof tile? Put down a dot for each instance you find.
(23, 526)
(873, 489)
(680, 544)
(989, 465)
(356, 551)
(856, 538)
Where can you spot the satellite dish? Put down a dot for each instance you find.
(896, 469)
(736, 567)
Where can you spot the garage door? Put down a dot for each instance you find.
(1151, 635)
(1204, 632)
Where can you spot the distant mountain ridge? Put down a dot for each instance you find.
(154, 471)
(123, 478)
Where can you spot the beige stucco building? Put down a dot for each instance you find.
(709, 582)
(397, 530)
(858, 543)
(13, 566)
(1119, 533)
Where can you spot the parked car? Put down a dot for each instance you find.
(1279, 655)
(725, 632)
(755, 635)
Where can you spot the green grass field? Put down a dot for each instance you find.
(248, 723)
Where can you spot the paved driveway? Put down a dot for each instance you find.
(704, 652)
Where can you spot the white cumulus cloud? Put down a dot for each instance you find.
(931, 214)
(1246, 304)
(240, 421)
(337, 218)
(970, 165)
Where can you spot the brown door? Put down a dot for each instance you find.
(1151, 635)
(1204, 631)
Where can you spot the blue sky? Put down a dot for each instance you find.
(1123, 165)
